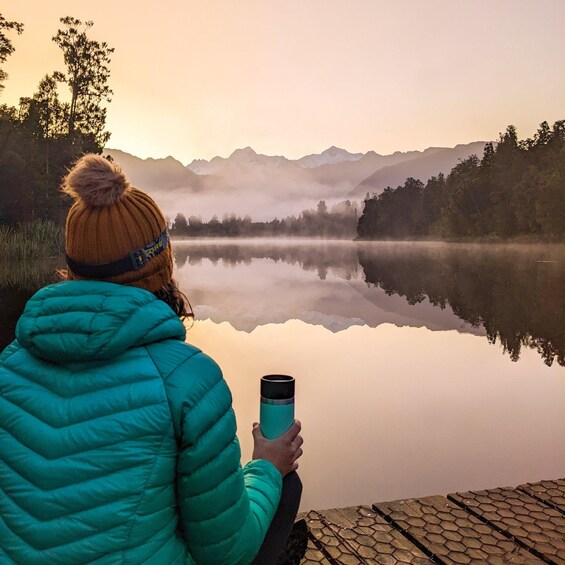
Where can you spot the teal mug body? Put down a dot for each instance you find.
(277, 405)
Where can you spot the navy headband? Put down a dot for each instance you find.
(131, 262)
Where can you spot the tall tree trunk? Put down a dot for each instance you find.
(72, 111)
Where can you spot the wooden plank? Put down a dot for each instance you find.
(330, 545)
(371, 537)
(521, 517)
(314, 555)
(449, 534)
(550, 492)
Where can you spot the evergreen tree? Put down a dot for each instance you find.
(180, 225)
(39, 142)
(87, 62)
(517, 188)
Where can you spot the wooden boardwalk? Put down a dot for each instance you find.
(525, 524)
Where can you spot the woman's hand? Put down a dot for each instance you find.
(283, 451)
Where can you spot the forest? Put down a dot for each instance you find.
(339, 221)
(516, 189)
(43, 136)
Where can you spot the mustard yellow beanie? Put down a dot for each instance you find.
(114, 232)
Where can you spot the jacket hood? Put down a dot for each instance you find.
(89, 320)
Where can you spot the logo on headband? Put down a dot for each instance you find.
(140, 256)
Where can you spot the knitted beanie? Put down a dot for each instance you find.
(114, 232)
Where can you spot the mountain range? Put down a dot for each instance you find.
(268, 186)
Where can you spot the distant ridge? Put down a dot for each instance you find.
(166, 173)
(437, 160)
(269, 186)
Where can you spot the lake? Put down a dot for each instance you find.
(422, 368)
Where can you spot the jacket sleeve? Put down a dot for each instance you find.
(225, 510)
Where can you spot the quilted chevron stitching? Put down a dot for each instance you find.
(18, 403)
(77, 452)
(26, 376)
(87, 393)
(61, 516)
(107, 474)
(67, 454)
(79, 422)
(98, 531)
(76, 540)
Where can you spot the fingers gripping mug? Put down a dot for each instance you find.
(277, 405)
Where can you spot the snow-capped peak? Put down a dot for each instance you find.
(329, 156)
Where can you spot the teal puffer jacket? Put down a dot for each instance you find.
(117, 439)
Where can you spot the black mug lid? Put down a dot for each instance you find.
(277, 387)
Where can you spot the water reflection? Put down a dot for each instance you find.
(319, 256)
(388, 412)
(516, 293)
(393, 412)
(510, 293)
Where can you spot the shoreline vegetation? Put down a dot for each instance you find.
(38, 239)
(32, 253)
(516, 190)
(44, 239)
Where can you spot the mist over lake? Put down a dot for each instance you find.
(511, 294)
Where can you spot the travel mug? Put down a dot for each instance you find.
(277, 405)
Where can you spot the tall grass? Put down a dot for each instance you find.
(29, 275)
(40, 239)
(31, 253)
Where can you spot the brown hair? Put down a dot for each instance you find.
(176, 299)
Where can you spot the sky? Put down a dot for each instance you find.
(195, 79)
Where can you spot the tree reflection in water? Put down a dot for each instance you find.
(320, 256)
(515, 292)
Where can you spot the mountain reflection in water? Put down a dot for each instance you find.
(390, 413)
(513, 294)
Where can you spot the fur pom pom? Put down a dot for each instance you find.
(96, 181)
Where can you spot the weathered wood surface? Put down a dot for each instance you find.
(532, 523)
(359, 535)
(550, 492)
(518, 525)
(450, 534)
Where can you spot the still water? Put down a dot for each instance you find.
(421, 368)
(400, 388)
